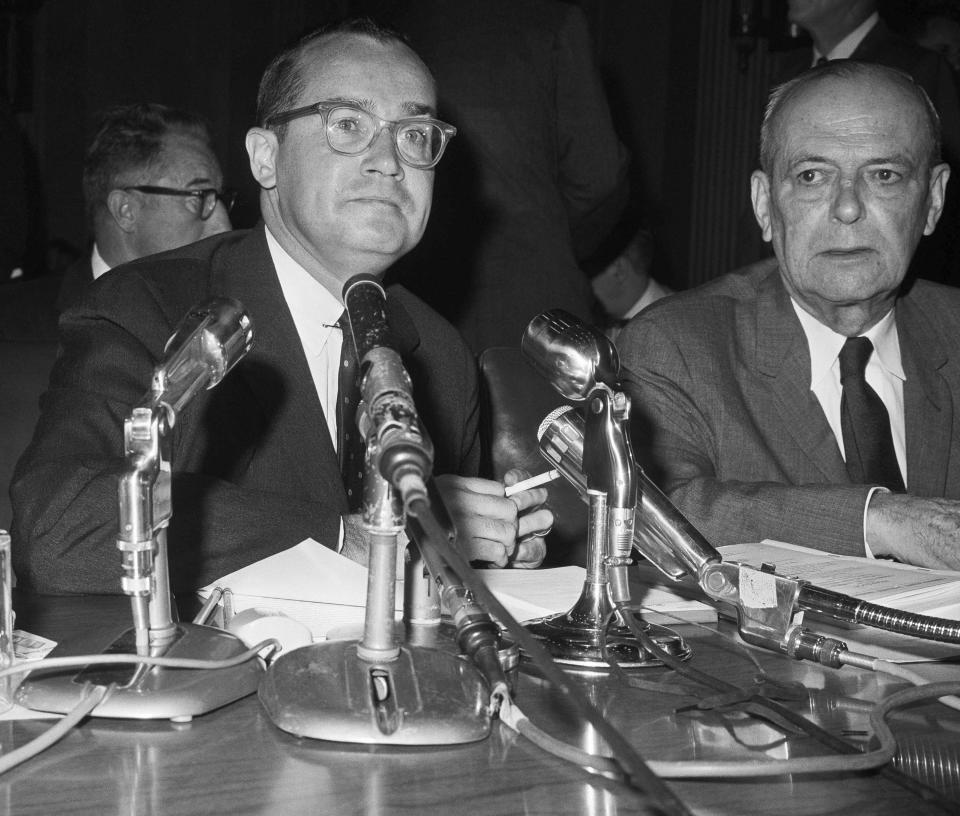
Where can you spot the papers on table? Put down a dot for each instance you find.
(327, 591)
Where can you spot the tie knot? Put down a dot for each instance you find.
(854, 356)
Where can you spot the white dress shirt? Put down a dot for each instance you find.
(884, 374)
(315, 312)
(97, 265)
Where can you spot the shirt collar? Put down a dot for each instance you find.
(825, 345)
(311, 304)
(98, 266)
(846, 46)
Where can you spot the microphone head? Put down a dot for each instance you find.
(552, 418)
(217, 334)
(570, 354)
(560, 440)
(366, 303)
(209, 341)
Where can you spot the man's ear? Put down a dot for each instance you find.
(760, 196)
(124, 208)
(939, 176)
(262, 148)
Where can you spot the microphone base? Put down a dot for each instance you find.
(156, 693)
(574, 642)
(424, 697)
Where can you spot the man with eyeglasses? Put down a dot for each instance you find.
(344, 155)
(151, 182)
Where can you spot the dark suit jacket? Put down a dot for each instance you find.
(536, 176)
(76, 279)
(728, 426)
(254, 469)
(928, 69)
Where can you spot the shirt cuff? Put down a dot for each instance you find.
(866, 506)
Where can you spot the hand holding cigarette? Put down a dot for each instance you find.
(534, 481)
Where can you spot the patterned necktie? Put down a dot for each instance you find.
(350, 444)
(864, 421)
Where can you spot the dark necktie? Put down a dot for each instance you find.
(350, 445)
(864, 421)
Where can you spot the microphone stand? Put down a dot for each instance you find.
(145, 509)
(577, 637)
(769, 608)
(145, 692)
(376, 689)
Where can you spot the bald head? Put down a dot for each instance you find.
(285, 79)
(824, 82)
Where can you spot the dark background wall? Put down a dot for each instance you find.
(686, 93)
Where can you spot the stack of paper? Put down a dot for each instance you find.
(887, 583)
(326, 591)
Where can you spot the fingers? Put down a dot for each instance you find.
(525, 499)
(529, 554)
(489, 525)
(490, 552)
(535, 523)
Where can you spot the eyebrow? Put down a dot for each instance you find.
(896, 158)
(410, 108)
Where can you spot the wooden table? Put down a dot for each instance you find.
(234, 760)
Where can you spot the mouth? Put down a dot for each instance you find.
(850, 254)
(384, 201)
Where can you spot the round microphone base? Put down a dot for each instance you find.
(577, 643)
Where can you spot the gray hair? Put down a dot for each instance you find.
(782, 95)
(130, 141)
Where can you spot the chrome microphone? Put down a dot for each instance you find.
(583, 365)
(661, 532)
(207, 343)
(388, 420)
(571, 355)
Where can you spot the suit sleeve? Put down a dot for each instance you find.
(65, 487)
(593, 161)
(683, 437)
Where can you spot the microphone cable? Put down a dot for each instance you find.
(629, 765)
(90, 698)
(94, 695)
(618, 584)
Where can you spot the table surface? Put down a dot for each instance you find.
(234, 760)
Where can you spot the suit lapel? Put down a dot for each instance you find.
(276, 369)
(784, 358)
(927, 403)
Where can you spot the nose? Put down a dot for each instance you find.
(381, 157)
(219, 221)
(847, 205)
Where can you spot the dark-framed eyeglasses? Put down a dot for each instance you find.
(201, 203)
(350, 130)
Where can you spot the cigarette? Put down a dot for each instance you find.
(533, 481)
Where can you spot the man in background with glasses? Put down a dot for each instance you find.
(151, 182)
(344, 155)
